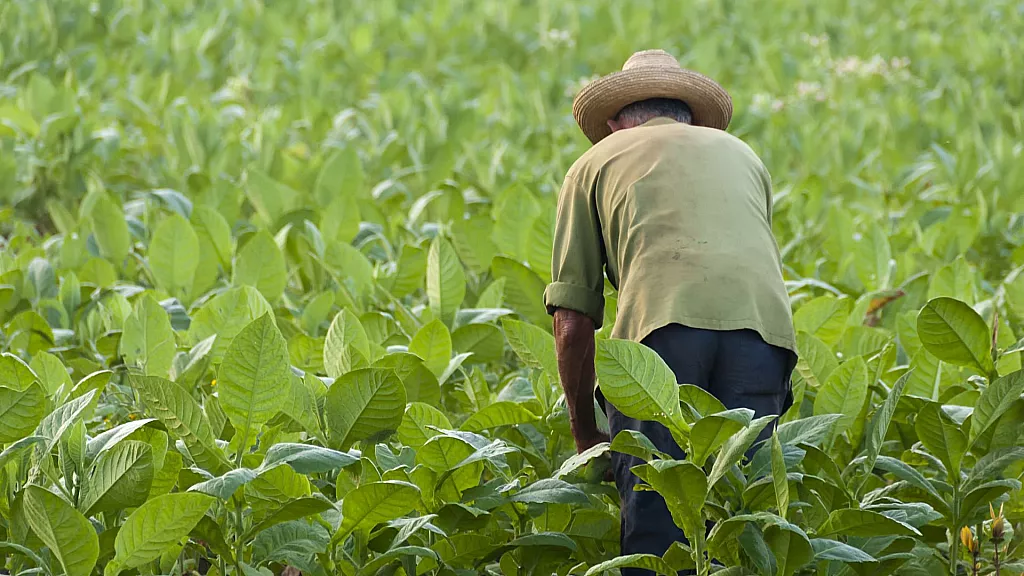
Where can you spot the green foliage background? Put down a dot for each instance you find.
(271, 277)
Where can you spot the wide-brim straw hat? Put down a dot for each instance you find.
(650, 74)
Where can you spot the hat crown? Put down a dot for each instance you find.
(651, 59)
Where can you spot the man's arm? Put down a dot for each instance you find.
(574, 345)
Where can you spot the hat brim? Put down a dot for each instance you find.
(600, 100)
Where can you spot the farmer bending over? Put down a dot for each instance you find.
(678, 213)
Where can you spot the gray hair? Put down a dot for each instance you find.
(639, 112)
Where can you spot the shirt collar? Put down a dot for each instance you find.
(659, 121)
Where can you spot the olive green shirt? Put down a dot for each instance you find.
(679, 217)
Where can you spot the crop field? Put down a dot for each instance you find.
(271, 277)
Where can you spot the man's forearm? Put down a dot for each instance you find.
(574, 344)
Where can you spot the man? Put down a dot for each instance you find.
(678, 213)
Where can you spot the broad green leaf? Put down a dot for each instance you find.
(881, 420)
(70, 537)
(700, 402)
(732, 451)
(154, 526)
(524, 290)
(853, 522)
(56, 423)
(415, 430)
(290, 542)
(148, 339)
(638, 382)
(955, 333)
(446, 281)
(550, 491)
(174, 255)
(826, 549)
(710, 432)
(14, 373)
(534, 346)
(790, 545)
(340, 176)
(779, 477)
(254, 377)
(20, 411)
(225, 315)
(577, 461)
(824, 318)
(225, 485)
(261, 264)
(270, 198)
(942, 437)
(307, 458)
(346, 348)
(420, 383)
(684, 487)
(634, 443)
(983, 495)
(183, 417)
(371, 504)
(109, 228)
(502, 413)
(120, 478)
(485, 342)
(51, 373)
(844, 393)
(433, 344)
(638, 561)
(472, 239)
(811, 430)
(995, 400)
(363, 405)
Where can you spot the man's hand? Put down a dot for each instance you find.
(574, 345)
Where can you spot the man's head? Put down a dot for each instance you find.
(635, 114)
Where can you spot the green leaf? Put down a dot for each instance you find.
(942, 437)
(290, 542)
(20, 411)
(110, 228)
(684, 487)
(14, 373)
(292, 510)
(155, 526)
(634, 443)
(420, 383)
(260, 264)
(524, 290)
(341, 175)
(364, 404)
(148, 339)
(638, 561)
(533, 345)
(955, 333)
(68, 534)
(824, 318)
(779, 477)
(550, 491)
(446, 281)
(881, 420)
(864, 523)
(732, 451)
(225, 315)
(811, 430)
(254, 377)
(174, 255)
(415, 430)
(791, 547)
(270, 198)
(710, 432)
(502, 413)
(183, 417)
(433, 344)
(638, 382)
(225, 485)
(577, 461)
(56, 423)
(346, 348)
(51, 372)
(701, 402)
(307, 458)
(120, 478)
(995, 400)
(373, 503)
(844, 393)
(825, 549)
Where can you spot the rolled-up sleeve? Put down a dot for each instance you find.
(577, 256)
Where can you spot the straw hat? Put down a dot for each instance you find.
(650, 74)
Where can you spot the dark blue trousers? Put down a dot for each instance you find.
(738, 368)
